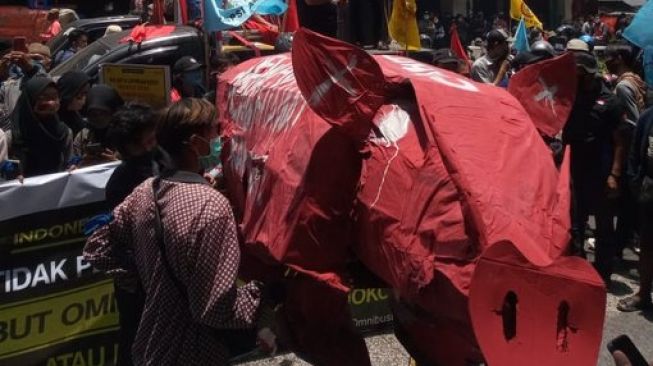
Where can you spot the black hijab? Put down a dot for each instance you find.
(69, 85)
(104, 97)
(40, 145)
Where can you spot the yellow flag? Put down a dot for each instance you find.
(519, 10)
(403, 24)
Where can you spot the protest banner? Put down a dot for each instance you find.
(144, 83)
(55, 310)
(370, 309)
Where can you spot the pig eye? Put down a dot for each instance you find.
(509, 315)
(562, 343)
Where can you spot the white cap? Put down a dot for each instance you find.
(577, 45)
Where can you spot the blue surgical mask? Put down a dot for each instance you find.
(210, 161)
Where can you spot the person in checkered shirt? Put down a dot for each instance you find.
(183, 309)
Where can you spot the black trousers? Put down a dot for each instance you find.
(590, 198)
(130, 308)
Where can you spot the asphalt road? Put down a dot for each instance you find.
(385, 350)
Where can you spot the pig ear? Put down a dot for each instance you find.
(340, 82)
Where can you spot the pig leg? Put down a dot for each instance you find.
(318, 320)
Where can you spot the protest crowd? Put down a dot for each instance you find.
(171, 238)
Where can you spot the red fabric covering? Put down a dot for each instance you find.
(291, 215)
(319, 323)
(415, 170)
(547, 91)
(347, 90)
(141, 33)
(558, 317)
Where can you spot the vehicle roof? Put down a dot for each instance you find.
(81, 23)
(111, 43)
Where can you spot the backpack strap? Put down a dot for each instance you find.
(160, 239)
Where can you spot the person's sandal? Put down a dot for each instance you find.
(633, 303)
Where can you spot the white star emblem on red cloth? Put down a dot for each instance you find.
(548, 95)
(335, 77)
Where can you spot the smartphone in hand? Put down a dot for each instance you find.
(20, 44)
(626, 346)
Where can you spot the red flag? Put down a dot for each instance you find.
(182, 9)
(268, 32)
(159, 10)
(142, 33)
(291, 19)
(346, 89)
(457, 46)
(611, 22)
(547, 91)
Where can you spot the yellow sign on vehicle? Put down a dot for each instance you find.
(143, 83)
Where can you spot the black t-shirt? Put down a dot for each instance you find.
(594, 116)
(127, 176)
(319, 18)
(589, 130)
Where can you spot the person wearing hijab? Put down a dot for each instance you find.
(91, 143)
(39, 140)
(73, 88)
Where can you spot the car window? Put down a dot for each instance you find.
(89, 54)
(167, 55)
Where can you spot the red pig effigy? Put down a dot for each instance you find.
(440, 186)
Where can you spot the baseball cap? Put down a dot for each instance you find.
(587, 61)
(496, 36)
(186, 64)
(577, 45)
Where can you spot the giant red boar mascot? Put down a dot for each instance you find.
(440, 186)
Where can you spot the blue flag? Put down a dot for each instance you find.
(270, 7)
(521, 38)
(217, 18)
(640, 31)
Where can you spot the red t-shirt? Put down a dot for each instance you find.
(53, 29)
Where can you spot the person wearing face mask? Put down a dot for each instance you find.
(594, 133)
(188, 81)
(39, 140)
(73, 88)
(133, 133)
(177, 236)
(494, 66)
(91, 144)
